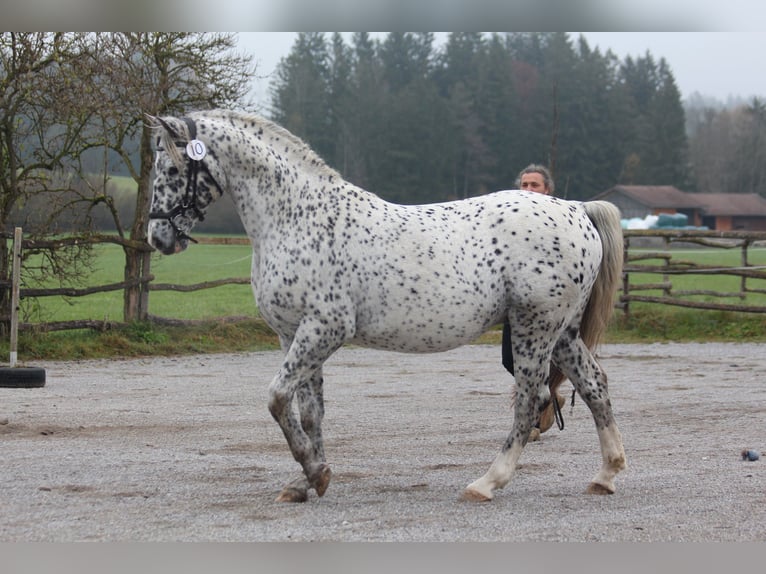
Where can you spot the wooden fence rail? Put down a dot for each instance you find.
(750, 275)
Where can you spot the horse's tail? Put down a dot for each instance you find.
(606, 217)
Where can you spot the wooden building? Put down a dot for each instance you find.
(719, 211)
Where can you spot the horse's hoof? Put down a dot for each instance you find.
(322, 480)
(596, 488)
(470, 495)
(293, 494)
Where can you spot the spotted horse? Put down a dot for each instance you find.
(335, 264)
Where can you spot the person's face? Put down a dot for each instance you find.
(534, 182)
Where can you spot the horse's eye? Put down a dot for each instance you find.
(173, 171)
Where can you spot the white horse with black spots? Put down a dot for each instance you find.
(335, 264)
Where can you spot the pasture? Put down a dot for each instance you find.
(196, 265)
(712, 257)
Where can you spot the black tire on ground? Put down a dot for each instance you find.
(22, 377)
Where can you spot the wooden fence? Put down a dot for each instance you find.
(660, 245)
(147, 283)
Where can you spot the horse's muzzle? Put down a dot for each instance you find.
(164, 238)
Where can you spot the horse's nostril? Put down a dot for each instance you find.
(162, 244)
(166, 248)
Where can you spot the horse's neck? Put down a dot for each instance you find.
(281, 177)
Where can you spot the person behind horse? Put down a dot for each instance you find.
(536, 178)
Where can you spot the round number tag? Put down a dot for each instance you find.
(195, 149)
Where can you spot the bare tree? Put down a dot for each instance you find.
(728, 148)
(157, 73)
(62, 95)
(42, 132)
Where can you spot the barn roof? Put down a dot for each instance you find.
(732, 204)
(656, 196)
(670, 197)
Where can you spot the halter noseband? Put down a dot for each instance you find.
(189, 201)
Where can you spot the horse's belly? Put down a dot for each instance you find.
(416, 326)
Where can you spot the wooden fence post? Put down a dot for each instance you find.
(743, 279)
(625, 279)
(667, 291)
(15, 280)
(143, 304)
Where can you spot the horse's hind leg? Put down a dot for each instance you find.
(530, 397)
(589, 379)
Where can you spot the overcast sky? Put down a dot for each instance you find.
(715, 64)
(713, 47)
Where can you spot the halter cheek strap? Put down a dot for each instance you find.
(189, 201)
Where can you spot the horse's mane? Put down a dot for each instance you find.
(252, 122)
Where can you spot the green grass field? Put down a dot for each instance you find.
(197, 264)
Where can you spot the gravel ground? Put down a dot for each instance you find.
(183, 449)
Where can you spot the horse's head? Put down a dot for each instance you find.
(184, 184)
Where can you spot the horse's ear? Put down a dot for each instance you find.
(170, 129)
(156, 121)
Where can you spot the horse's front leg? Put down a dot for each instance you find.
(531, 394)
(311, 411)
(301, 376)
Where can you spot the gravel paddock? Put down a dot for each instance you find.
(184, 449)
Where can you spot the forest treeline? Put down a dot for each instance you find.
(415, 122)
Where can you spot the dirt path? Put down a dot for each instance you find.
(184, 449)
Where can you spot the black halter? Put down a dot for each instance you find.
(189, 201)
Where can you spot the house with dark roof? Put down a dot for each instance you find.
(733, 211)
(719, 211)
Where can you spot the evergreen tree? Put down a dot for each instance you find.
(658, 154)
(364, 117)
(406, 106)
(499, 108)
(341, 103)
(461, 84)
(535, 99)
(300, 92)
(416, 124)
(564, 121)
(405, 58)
(595, 114)
(669, 160)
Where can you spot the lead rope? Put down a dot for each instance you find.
(559, 416)
(557, 410)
